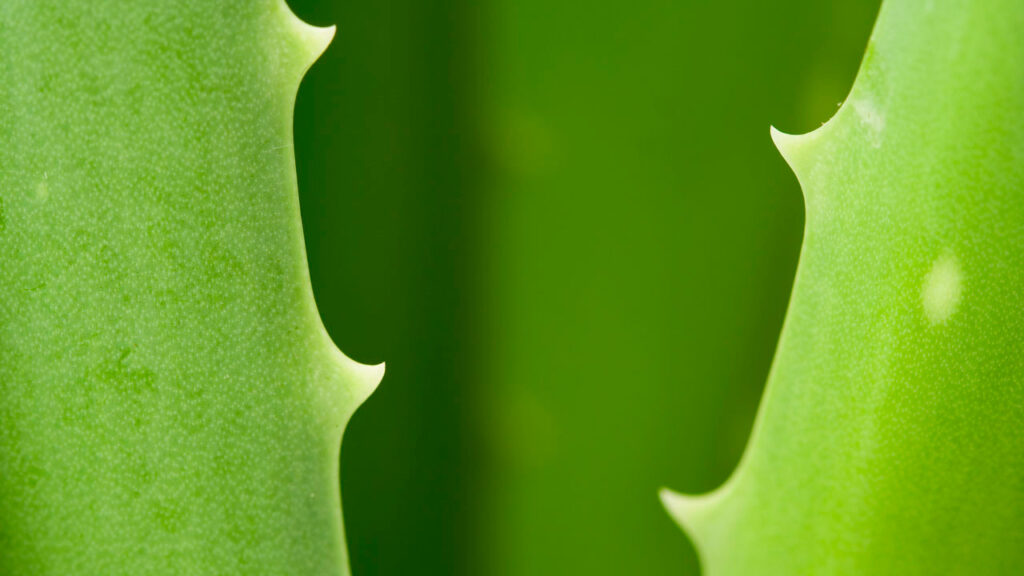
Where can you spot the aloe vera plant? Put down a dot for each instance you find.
(169, 400)
(888, 440)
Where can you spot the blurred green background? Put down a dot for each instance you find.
(564, 227)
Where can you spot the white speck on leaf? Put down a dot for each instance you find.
(873, 118)
(943, 287)
(42, 190)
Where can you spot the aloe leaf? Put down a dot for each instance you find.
(889, 439)
(170, 402)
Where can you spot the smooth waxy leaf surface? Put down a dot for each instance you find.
(889, 440)
(169, 400)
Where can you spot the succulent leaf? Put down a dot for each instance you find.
(170, 402)
(888, 440)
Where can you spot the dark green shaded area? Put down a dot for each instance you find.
(385, 133)
(567, 232)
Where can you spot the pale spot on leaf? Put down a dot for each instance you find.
(42, 190)
(873, 118)
(943, 287)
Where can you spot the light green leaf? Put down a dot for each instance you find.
(169, 400)
(889, 439)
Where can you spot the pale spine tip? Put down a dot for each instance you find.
(787, 144)
(800, 151)
(365, 378)
(317, 39)
(313, 40)
(691, 513)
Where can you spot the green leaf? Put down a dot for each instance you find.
(169, 400)
(889, 439)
